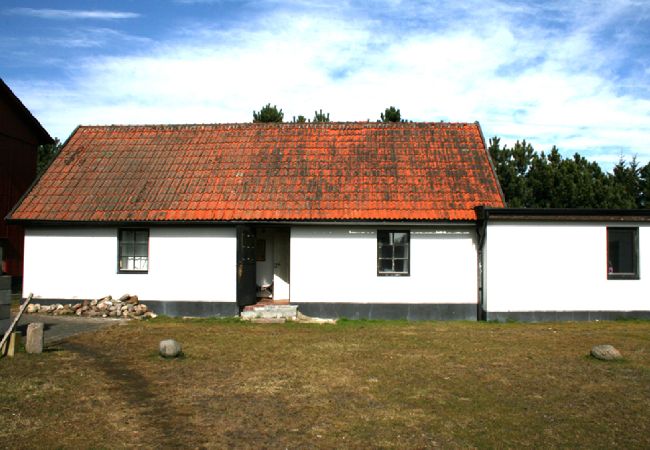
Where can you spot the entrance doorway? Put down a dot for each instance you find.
(263, 265)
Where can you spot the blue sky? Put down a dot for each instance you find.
(569, 73)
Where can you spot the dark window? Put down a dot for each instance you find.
(393, 252)
(133, 250)
(623, 253)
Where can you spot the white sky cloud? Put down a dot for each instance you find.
(68, 14)
(545, 87)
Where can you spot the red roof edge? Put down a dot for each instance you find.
(489, 158)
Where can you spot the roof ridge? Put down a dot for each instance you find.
(276, 124)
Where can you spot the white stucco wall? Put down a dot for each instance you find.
(191, 263)
(339, 264)
(559, 267)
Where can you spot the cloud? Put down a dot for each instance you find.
(70, 14)
(89, 38)
(550, 86)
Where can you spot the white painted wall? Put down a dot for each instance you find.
(190, 263)
(339, 264)
(559, 267)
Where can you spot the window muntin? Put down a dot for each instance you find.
(622, 253)
(393, 253)
(133, 250)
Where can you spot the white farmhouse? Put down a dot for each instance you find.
(359, 220)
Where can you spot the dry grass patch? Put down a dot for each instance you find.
(355, 384)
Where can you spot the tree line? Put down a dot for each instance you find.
(537, 180)
(271, 114)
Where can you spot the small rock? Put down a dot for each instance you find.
(150, 315)
(86, 304)
(125, 297)
(93, 303)
(76, 306)
(58, 306)
(133, 300)
(606, 352)
(31, 309)
(169, 348)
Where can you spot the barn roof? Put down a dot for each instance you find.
(265, 172)
(24, 114)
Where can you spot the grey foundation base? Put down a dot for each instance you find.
(564, 316)
(408, 311)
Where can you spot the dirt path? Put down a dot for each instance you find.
(162, 425)
(59, 328)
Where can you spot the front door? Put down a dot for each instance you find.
(246, 287)
(281, 264)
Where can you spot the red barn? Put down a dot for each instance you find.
(20, 136)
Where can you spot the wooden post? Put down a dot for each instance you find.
(10, 330)
(12, 344)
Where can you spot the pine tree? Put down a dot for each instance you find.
(267, 114)
(391, 114)
(319, 116)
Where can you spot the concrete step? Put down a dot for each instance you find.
(288, 312)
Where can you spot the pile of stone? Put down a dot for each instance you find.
(127, 306)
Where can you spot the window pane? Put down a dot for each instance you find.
(399, 265)
(127, 249)
(383, 237)
(128, 236)
(141, 236)
(401, 251)
(140, 263)
(400, 238)
(386, 251)
(141, 250)
(124, 263)
(385, 265)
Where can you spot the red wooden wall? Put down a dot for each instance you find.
(18, 147)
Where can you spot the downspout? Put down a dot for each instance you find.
(481, 233)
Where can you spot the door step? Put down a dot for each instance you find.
(286, 312)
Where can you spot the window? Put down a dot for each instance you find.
(623, 253)
(133, 251)
(393, 252)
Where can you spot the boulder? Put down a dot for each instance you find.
(35, 338)
(169, 348)
(606, 352)
(133, 300)
(32, 308)
(125, 297)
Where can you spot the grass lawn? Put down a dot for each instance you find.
(355, 384)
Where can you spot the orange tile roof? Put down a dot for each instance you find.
(259, 172)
